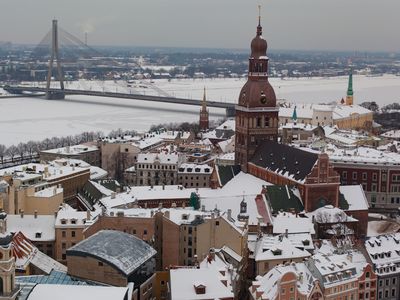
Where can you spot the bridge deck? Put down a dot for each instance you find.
(20, 90)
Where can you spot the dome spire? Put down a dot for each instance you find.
(259, 28)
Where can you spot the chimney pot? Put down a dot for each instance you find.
(35, 214)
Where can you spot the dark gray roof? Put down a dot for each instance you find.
(282, 197)
(282, 158)
(121, 250)
(226, 173)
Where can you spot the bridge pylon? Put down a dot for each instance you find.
(55, 54)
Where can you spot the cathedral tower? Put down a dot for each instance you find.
(256, 111)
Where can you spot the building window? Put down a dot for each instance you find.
(364, 175)
(63, 234)
(374, 177)
(354, 175)
(217, 223)
(374, 187)
(63, 245)
(344, 174)
(64, 256)
(145, 231)
(100, 264)
(72, 233)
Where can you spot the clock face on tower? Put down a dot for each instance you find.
(263, 98)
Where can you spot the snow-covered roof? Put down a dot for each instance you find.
(384, 251)
(77, 292)
(268, 284)
(183, 282)
(122, 250)
(227, 156)
(227, 125)
(392, 134)
(70, 217)
(162, 158)
(292, 223)
(187, 168)
(302, 126)
(242, 186)
(330, 214)
(97, 173)
(37, 229)
(362, 155)
(50, 171)
(305, 111)
(49, 192)
(72, 150)
(143, 193)
(355, 197)
(280, 247)
(26, 253)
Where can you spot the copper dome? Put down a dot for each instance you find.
(257, 94)
(258, 44)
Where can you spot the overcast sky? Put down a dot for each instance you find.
(362, 25)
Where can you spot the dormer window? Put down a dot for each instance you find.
(38, 235)
(63, 221)
(200, 289)
(73, 221)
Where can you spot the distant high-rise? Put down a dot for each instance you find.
(204, 119)
(256, 111)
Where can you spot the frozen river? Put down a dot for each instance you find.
(24, 119)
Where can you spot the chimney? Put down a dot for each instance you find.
(166, 214)
(286, 233)
(229, 214)
(21, 213)
(113, 194)
(160, 205)
(35, 214)
(55, 213)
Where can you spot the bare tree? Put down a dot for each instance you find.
(2, 153)
(11, 152)
(30, 148)
(46, 144)
(21, 148)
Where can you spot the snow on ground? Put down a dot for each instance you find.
(24, 119)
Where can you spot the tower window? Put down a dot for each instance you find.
(266, 122)
(258, 122)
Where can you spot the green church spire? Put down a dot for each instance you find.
(350, 87)
(294, 116)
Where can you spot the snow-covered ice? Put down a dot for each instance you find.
(24, 119)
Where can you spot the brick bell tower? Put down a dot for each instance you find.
(256, 111)
(204, 118)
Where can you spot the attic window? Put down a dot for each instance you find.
(206, 170)
(38, 235)
(64, 221)
(276, 252)
(73, 221)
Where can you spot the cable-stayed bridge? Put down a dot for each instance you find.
(58, 44)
